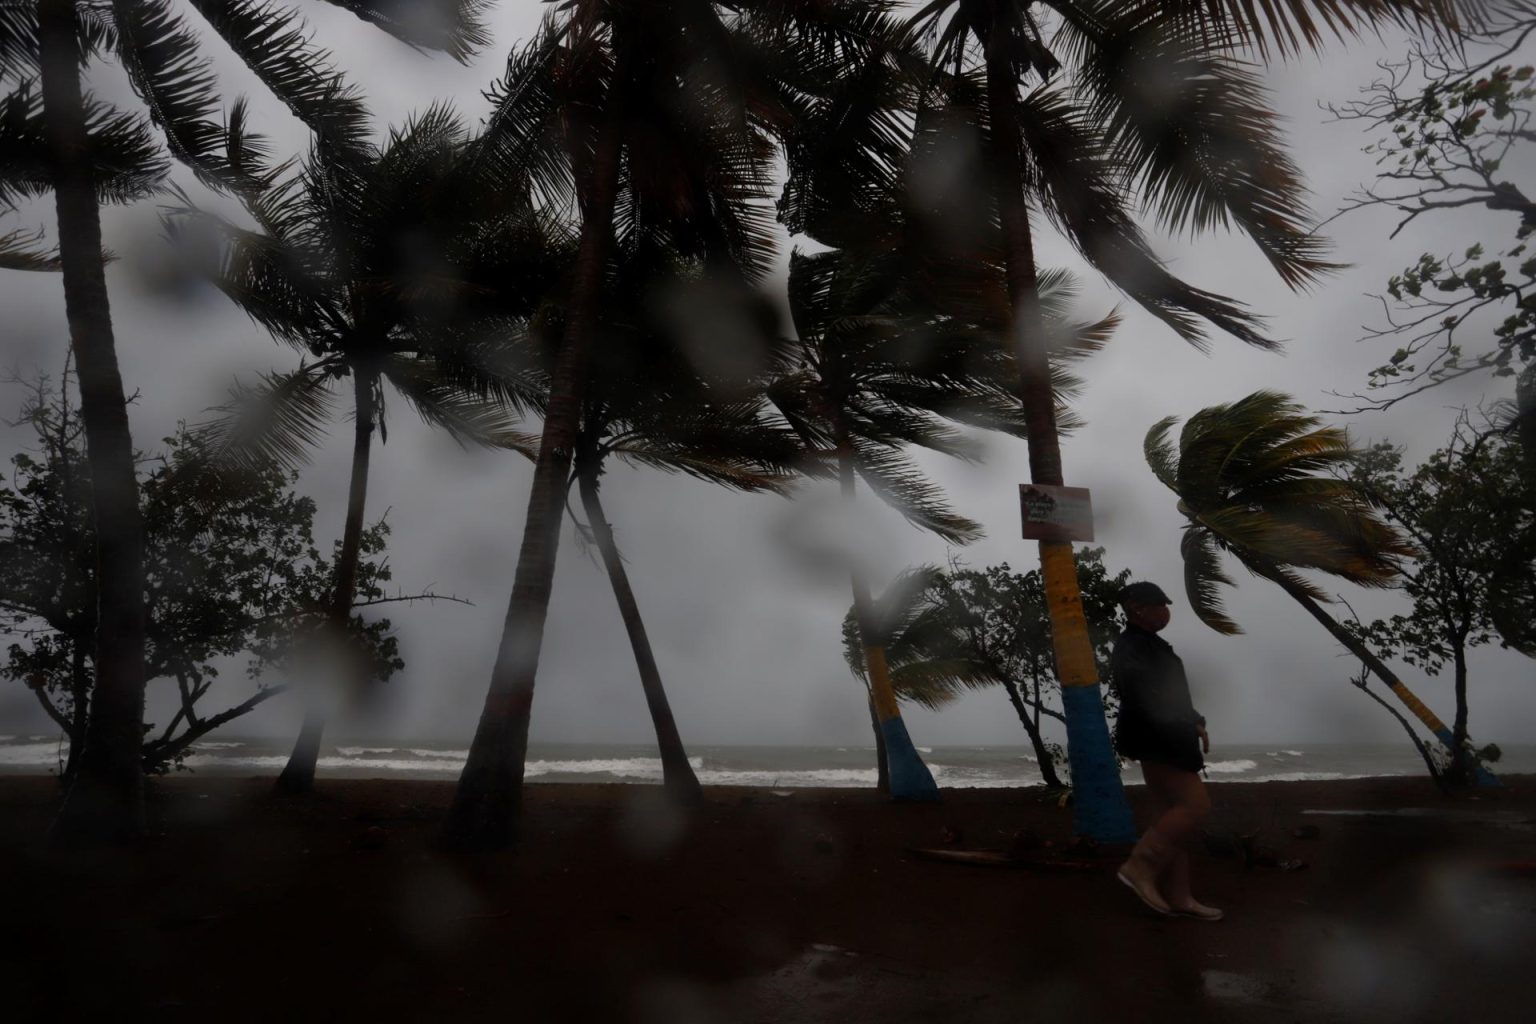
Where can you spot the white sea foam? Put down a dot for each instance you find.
(1231, 767)
(41, 755)
(1283, 753)
(363, 751)
(206, 745)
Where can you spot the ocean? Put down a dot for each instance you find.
(778, 767)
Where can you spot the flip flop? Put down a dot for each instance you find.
(1135, 889)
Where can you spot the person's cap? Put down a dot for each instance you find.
(1143, 593)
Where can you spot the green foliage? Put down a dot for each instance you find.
(1468, 510)
(948, 631)
(232, 570)
(1253, 479)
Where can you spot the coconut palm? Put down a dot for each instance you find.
(1253, 480)
(71, 135)
(407, 265)
(648, 114)
(1085, 110)
(650, 405)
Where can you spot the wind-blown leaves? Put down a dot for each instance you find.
(21, 250)
(455, 27)
(127, 161)
(280, 421)
(177, 84)
(1255, 478)
(271, 42)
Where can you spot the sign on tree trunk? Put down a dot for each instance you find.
(1062, 514)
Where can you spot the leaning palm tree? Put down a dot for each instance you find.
(406, 265)
(1086, 109)
(648, 404)
(652, 113)
(71, 137)
(1253, 480)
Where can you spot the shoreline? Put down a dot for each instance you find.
(617, 906)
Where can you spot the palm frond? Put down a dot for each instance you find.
(272, 41)
(454, 27)
(166, 69)
(898, 482)
(524, 139)
(1070, 162)
(1160, 453)
(466, 417)
(1204, 578)
(21, 250)
(126, 160)
(1291, 27)
(1194, 133)
(277, 422)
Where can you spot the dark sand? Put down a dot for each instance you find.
(757, 907)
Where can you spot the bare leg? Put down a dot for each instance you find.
(1188, 805)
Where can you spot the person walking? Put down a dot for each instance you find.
(1159, 727)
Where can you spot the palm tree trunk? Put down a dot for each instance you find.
(677, 773)
(298, 775)
(1099, 807)
(106, 800)
(882, 768)
(909, 778)
(1032, 730)
(488, 799)
(1431, 721)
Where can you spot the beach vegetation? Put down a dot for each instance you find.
(378, 265)
(61, 138)
(232, 571)
(947, 631)
(1265, 483)
(1468, 514)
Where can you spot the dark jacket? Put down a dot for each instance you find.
(1157, 720)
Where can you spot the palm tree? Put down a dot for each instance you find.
(79, 147)
(648, 404)
(1252, 480)
(633, 114)
(379, 266)
(1131, 100)
(884, 360)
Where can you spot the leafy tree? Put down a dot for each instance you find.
(377, 265)
(944, 632)
(231, 567)
(627, 113)
(1452, 132)
(1473, 536)
(1253, 480)
(63, 139)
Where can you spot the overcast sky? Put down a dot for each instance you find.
(747, 636)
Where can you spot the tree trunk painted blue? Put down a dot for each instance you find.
(1099, 807)
(910, 777)
(1484, 776)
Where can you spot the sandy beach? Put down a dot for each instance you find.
(762, 906)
